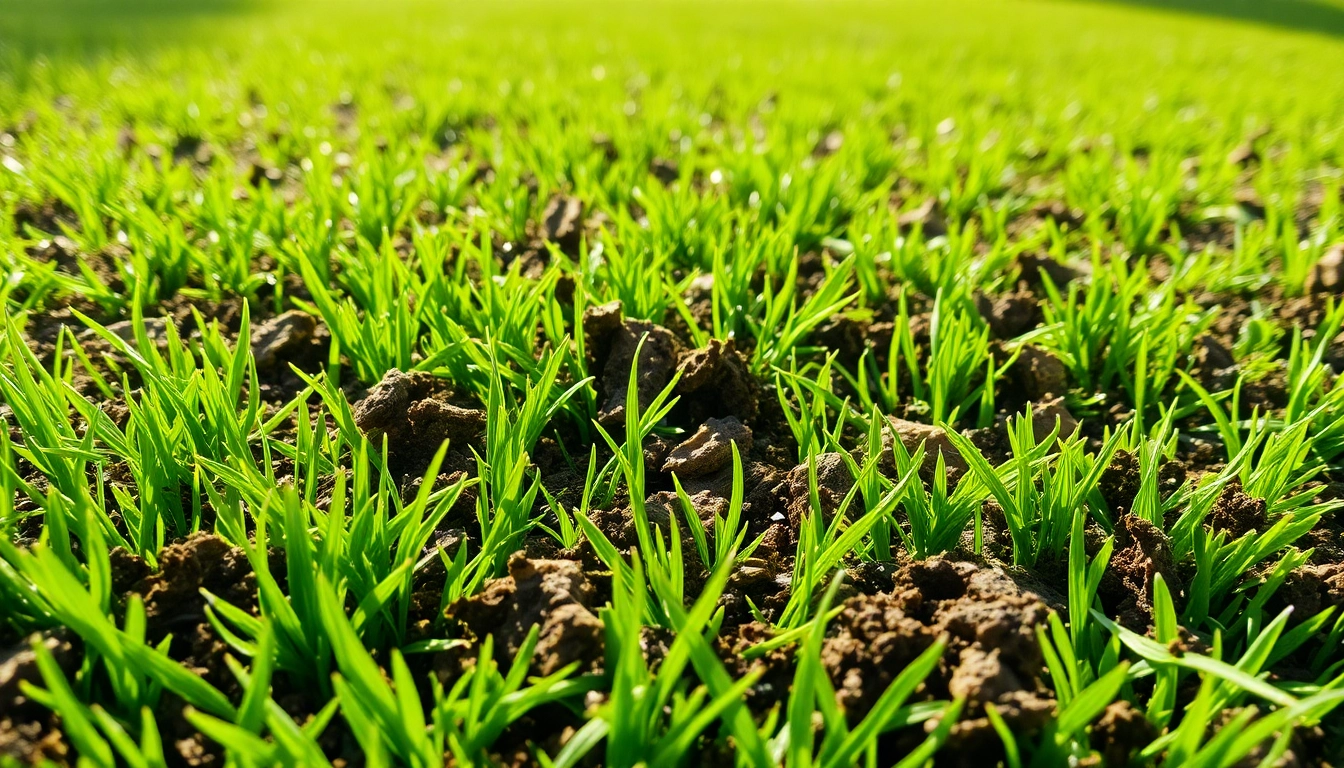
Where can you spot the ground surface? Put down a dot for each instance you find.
(791, 384)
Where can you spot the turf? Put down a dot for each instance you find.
(753, 384)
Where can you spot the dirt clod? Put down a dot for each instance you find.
(1142, 551)
(434, 421)
(716, 381)
(1041, 374)
(1044, 416)
(202, 561)
(991, 657)
(834, 481)
(657, 359)
(18, 664)
(600, 320)
(563, 223)
(1120, 732)
(554, 594)
(1008, 315)
(383, 408)
(1312, 588)
(1328, 274)
(1237, 513)
(29, 732)
(934, 439)
(1120, 481)
(710, 448)
(281, 336)
(410, 410)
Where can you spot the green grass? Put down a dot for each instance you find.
(776, 176)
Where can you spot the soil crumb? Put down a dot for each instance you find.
(554, 594)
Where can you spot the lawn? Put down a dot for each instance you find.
(746, 383)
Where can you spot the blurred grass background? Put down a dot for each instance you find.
(84, 25)
(1146, 73)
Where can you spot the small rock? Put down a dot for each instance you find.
(747, 576)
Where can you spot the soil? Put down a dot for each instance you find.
(710, 449)
(555, 595)
(1120, 732)
(934, 439)
(412, 412)
(1142, 551)
(658, 351)
(282, 337)
(716, 381)
(834, 482)
(1238, 514)
(563, 223)
(891, 612)
(992, 656)
(29, 731)
(174, 603)
(1040, 374)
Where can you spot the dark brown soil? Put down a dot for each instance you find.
(1142, 551)
(1311, 589)
(716, 381)
(174, 603)
(657, 361)
(834, 482)
(553, 594)
(1236, 513)
(992, 655)
(412, 412)
(29, 731)
(1120, 732)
